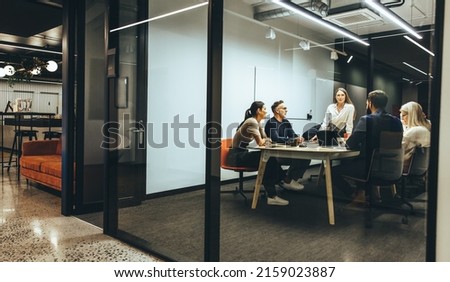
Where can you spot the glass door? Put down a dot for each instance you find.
(124, 129)
(157, 104)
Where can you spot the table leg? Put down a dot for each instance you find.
(329, 186)
(262, 167)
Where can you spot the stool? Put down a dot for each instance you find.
(17, 144)
(51, 134)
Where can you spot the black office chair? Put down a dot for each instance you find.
(417, 173)
(385, 170)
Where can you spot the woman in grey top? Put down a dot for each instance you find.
(250, 129)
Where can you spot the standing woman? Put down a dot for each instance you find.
(250, 129)
(341, 113)
(417, 130)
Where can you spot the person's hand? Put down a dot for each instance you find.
(300, 140)
(346, 136)
(313, 139)
(267, 142)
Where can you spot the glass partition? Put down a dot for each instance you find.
(272, 53)
(166, 92)
(269, 54)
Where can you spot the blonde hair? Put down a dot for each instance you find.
(415, 115)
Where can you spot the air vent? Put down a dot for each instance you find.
(360, 16)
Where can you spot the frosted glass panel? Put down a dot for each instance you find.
(176, 101)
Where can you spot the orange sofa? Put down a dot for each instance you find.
(41, 162)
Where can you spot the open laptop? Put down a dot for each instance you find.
(327, 137)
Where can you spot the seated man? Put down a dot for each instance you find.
(280, 130)
(365, 138)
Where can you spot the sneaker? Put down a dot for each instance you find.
(293, 185)
(277, 201)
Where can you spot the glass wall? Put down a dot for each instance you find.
(165, 79)
(91, 115)
(264, 58)
(162, 161)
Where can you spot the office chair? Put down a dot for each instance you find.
(417, 170)
(224, 151)
(385, 170)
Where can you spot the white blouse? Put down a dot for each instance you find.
(341, 119)
(417, 136)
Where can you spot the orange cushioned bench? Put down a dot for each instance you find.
(41, 162)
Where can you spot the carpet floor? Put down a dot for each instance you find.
(174, 226)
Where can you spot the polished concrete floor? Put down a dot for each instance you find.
(32, 229)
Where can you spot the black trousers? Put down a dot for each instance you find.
(272, 175)
(355, 167)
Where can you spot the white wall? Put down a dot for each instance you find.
(177, 90)
(254, 68)
(443, 206)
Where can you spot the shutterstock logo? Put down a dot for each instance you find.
(179, 132)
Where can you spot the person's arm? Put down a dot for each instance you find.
(349, 121)
(358, 137)
(272, 131)
(291, 135)
(257, 133)
(323, 125)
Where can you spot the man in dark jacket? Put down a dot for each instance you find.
(365, 138)
(280, 130)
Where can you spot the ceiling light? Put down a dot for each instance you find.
(9, 70)
(270, 34)
(36, 71)
(418, 45)
(414, 68)
(334, 56)
(161, 16)
(52, 66)
(304, 44)
(315, 18)
(350, 59)
(392, 16)
(26, 69)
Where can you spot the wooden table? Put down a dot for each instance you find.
(326, 154)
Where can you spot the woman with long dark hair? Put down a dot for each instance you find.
(251, 130)
(340, 113)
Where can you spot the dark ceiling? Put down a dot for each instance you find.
(26, 24)
(38, 24)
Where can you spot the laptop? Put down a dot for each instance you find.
(327, 137)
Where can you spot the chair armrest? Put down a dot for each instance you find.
(39, 147)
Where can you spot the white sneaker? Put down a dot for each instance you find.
(293, 185)
(277, 201)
